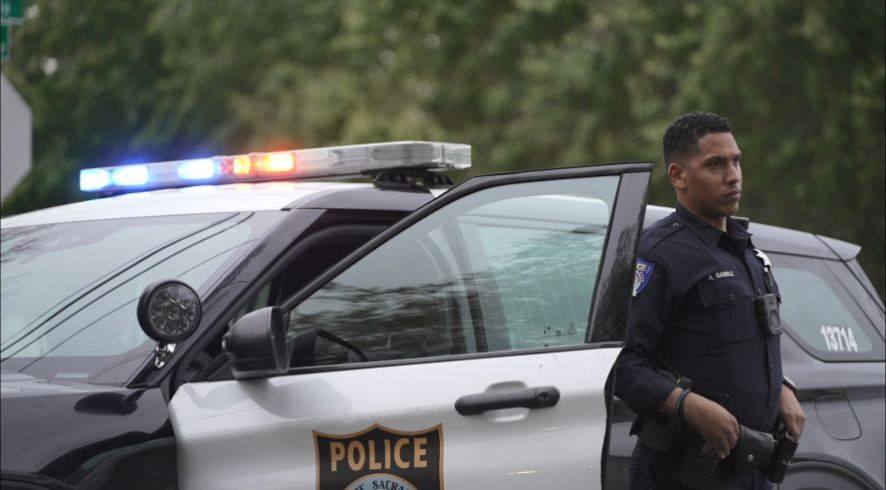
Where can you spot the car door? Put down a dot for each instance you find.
(466, 347)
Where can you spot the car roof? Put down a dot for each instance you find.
(196, 200)
(264, 196)
(776, 239)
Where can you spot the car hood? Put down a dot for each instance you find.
(14, 384)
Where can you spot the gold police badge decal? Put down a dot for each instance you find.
(379, 458)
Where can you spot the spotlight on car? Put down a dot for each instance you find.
(169, 311)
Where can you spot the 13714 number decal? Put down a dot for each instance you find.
(839, 339)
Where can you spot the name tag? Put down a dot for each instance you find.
(720, 275)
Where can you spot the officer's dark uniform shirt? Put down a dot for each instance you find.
(694, 303)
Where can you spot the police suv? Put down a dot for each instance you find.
(252, 321)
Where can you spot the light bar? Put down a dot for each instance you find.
(130, 176)
(333, 161)
(197, 169)
(94, 179)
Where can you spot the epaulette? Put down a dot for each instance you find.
(660, 230)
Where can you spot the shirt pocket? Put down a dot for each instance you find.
(731, 306)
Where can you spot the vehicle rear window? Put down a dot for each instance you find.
(820, 314)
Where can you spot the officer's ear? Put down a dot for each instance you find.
(677, 175)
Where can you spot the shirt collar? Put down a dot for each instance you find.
(709, 233)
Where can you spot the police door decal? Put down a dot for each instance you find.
(378, 458)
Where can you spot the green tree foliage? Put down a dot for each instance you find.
(529, 83)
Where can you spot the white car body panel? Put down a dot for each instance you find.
(271, 421)
(188, 200)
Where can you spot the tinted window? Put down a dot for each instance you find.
(820, 314)
(510, 267)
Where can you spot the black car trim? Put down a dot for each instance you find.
(612, 298)
(28, 481)
(366, 199)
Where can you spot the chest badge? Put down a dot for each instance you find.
(764, 258)
(380, 458)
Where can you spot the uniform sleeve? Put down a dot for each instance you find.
(637, 382)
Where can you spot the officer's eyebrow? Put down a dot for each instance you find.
(720, 157)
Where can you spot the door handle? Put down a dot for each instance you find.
(540, 397)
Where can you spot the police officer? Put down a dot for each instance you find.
(693, 317)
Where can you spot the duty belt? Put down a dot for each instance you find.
(770, 453)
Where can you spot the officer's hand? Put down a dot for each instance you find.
(713, 422)
(791, 412)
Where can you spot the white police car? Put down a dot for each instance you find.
(465, 343)
(237, 326)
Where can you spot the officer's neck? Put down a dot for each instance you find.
(718, 222)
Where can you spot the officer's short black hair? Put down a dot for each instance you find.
(681, 138)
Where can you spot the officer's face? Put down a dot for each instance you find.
(709, 182)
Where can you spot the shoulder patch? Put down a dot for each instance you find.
(642, 275)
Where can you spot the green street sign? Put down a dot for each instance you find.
(12, 11)
(5, 43)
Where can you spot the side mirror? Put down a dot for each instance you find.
(256, 344)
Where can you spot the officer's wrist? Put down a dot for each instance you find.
(790, 384)
(679, 406)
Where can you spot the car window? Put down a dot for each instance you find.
(69, 290)
(510, 267)
(820, 314)
(325, 247)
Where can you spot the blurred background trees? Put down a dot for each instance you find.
(529, 83)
